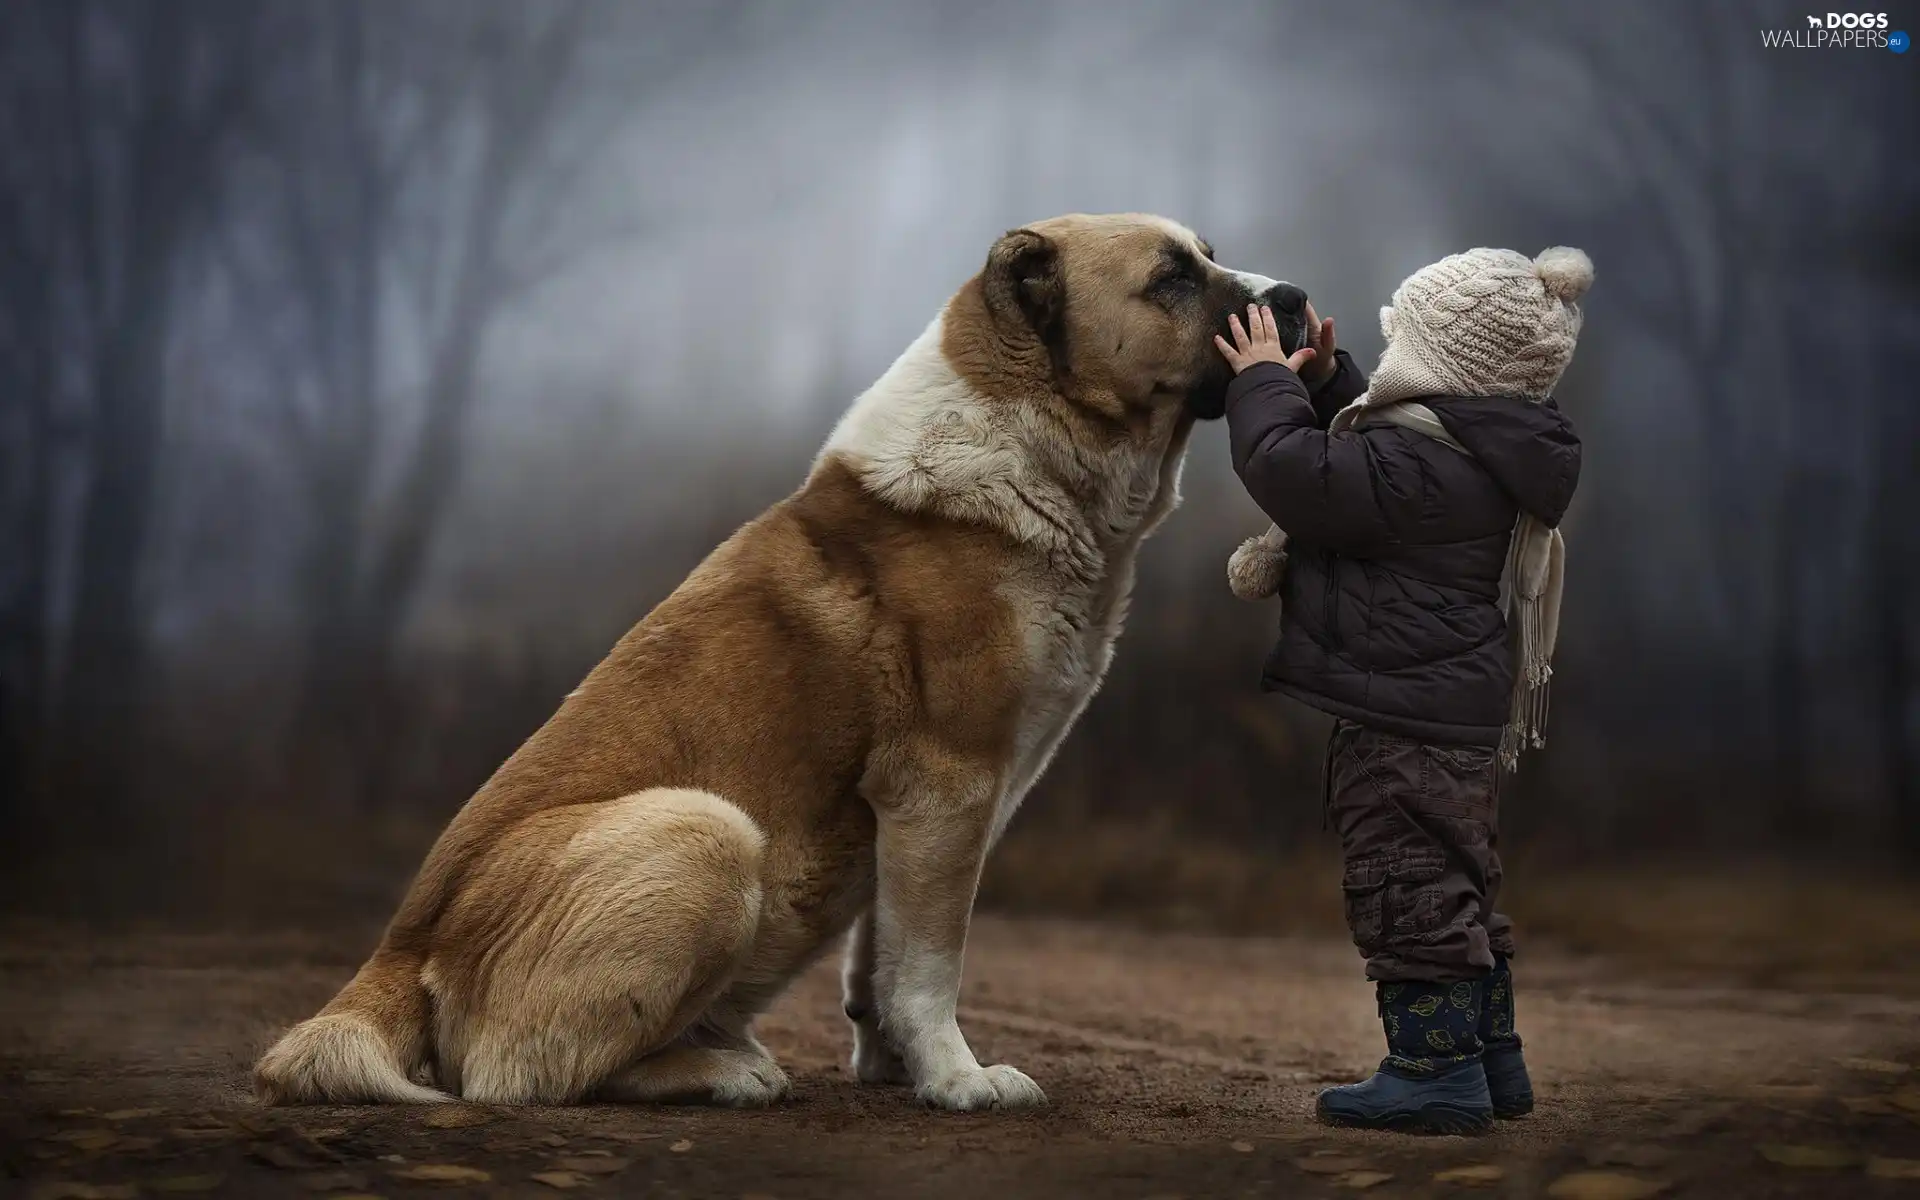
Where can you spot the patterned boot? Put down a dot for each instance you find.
(1431, 1080)
(1506, 1071)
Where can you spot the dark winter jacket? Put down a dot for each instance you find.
(1396, 541)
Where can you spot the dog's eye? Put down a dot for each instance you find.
(1173, 287)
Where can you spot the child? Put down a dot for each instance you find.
(1421, 563)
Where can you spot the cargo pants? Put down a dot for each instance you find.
(1419, 830)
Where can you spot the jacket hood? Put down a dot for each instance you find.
(1528, 446)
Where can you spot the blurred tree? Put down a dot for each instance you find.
(117, 121)
(1699, 178)
(423, 179)
(29, 372)
(1890, 591)
(1894, 497)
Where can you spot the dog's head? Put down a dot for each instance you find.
(1126, 307)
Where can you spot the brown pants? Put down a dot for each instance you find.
(1419, 828)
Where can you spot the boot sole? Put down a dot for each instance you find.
(1511, 1109)
(1438, 1119)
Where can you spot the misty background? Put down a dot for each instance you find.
(367, 368)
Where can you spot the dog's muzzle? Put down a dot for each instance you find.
(1289, 305)
(1207, 400)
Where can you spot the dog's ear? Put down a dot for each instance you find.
(1023, 285)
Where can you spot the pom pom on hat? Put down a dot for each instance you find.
(1565, 272)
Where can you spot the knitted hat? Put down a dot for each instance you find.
(1482, 323)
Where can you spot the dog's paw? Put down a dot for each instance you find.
(875, 1060)
(974, 1089)
(754, 1082)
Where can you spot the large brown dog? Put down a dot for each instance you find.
(822, 730)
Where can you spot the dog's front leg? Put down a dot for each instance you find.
(929, 852)
(874, 1059)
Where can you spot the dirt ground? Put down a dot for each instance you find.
(1177, 1065)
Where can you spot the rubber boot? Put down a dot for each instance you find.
(1432, 1080)
(1507, 1080)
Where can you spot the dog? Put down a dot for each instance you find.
(822, 731)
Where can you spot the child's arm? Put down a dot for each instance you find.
(1342, 386)
(1317, 486)
(1333, 379)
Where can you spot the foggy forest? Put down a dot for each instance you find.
(369, 368)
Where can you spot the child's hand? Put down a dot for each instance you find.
(1262, 346)
(1320, 337)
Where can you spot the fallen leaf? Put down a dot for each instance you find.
(456, 1116)
(1294, 1135)
(1360, 1181)
(681, 1146)
(443, 1173)
(1331, 1164)
(334, 1181)
(553, 1139)
(135, 1145)
(1241, 1147)
(282, 1158)
(131, 1114)
(1604, 1185)
(1630, 1154)
(1694, 1120)
(189, 1183)
(204, 1133)
(1894, 1168)
(1868, 1106)
(1809, 1158)
(288, 1148)
(87, 1139)
(1474, 1174)
(73, 1112)
(1879, 1066)
(85, 1191)
(593, 1164)
(564, 1180)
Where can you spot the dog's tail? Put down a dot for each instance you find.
(362, 1047)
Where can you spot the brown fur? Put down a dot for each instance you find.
(820, 727)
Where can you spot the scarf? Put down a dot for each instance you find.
(1531, 584)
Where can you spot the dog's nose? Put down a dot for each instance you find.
(1286, 298)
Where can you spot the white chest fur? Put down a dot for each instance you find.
(922, 438)
(1067, 658)
(1074, 625)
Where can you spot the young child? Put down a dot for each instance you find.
(1420, 575)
